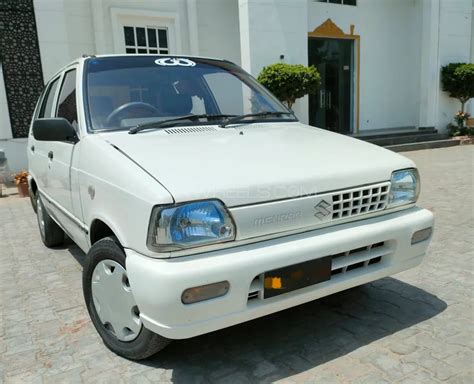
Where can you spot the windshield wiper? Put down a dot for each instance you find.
(238, 119)
(169, 122)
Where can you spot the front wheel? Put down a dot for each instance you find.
(111, 304)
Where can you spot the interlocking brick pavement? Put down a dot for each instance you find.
(415, 327)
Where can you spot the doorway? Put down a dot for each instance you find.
(333, 105)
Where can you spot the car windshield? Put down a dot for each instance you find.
(125, 91)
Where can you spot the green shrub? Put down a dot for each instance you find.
(289, 82)
(458, 80)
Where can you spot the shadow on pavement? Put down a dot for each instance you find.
(297, 339)
(74, 250)
(300, 338)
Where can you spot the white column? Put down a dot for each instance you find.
(193, 27)
(429, 76)
(103, 32)
(269, 29)
(244, 27)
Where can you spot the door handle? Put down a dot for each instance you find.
(32, 148)
(50, 155)
(322, 99)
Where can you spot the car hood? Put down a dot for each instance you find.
(253, 163)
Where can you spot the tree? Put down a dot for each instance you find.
(289, 82)
(458, 80)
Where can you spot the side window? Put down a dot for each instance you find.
(67, 99)
(47, 106)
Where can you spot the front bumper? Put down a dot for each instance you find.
(158, 284)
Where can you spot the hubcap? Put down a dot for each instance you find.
(114, 302)
(40, 216)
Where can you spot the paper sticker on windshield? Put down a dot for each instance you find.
(175, 61)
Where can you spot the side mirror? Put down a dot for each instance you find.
(54, 129)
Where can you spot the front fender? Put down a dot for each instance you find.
(118, 192)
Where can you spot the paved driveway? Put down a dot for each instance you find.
(415, 327)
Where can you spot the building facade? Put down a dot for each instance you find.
(379, 60)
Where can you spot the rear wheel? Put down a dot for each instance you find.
(34, 203)
(51, 233)
(111, 304)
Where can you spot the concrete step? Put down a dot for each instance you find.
(392, 132)
(423, 145)
(404, 139)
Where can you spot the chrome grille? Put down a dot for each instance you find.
(361, 200)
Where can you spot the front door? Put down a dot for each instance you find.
(331, 108)
(60, 156)
(38, 161)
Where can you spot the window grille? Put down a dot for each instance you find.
(146, 40)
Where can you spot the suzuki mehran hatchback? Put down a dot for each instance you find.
(202, 202)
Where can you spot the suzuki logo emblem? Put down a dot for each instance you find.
(322, 209)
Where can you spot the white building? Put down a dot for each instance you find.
(379, 59)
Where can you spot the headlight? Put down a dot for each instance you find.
(405, 188)
(189, 225)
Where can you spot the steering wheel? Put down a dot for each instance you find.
(135, 109)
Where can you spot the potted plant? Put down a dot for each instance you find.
(461, 118)
(21, 182)
(289, 82)
(458, 80)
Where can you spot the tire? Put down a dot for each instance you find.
(51, 233)
(33, 200)
(144, 343)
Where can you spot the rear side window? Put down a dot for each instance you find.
(47, 107)
(67, 99)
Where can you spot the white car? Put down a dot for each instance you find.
(202, 202)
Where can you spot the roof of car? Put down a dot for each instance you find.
(162, 55)
(85, 57)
